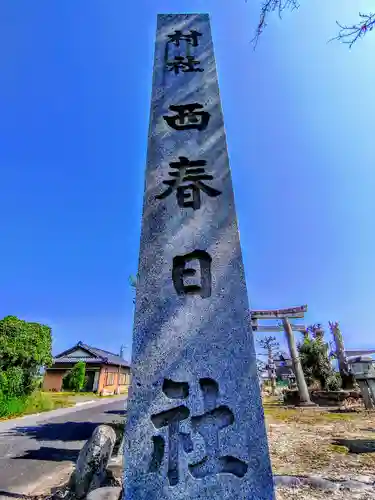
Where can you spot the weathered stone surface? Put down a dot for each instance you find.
(92, 461)
(288, 481)
(193, 348)
(356, 486)
(107, 493)
(321, 483)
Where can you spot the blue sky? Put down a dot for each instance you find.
(74, 106)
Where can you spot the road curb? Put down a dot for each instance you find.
(36, 418)
(81, 403)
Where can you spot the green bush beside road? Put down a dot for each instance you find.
(37, 402)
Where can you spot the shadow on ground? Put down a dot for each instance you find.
(9, 494)
(116, 412)
(357, 445)
(50, 454)
(65, 431)
(19, 496)
(345, 410)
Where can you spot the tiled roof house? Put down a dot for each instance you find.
(106, 372)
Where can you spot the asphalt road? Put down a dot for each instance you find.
(37, 451)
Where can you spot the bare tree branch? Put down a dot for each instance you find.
(268, 7)
(269, 343)
(261, 366)
(347, 34)
(350, 34)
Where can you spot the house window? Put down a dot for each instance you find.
(123, 379)
(110, 380)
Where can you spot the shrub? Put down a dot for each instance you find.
(334, 382)
(11, 381)
(3, 384)
(315, 359)
(15, 379)
(74, 380)
(11, 406)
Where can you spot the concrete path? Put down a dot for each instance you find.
(39, 451)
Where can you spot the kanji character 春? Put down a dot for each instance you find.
(187, 118)
(179, 272)
(191, 38)
(207, 425)
(185, 64)
(192, 173)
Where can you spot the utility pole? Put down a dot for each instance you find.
(304, 395)
(122, 351)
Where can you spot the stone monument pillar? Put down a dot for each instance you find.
(195, 426)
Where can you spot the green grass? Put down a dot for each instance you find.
(276, 412)
(339, 449)
(37, 402)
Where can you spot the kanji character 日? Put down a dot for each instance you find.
(181, 271)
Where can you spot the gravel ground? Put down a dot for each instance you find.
(305, 493)
(330, 444)
(322, 443)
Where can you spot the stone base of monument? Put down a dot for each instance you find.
(323, 398)
(304, 404)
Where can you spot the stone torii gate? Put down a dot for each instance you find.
(284, 315)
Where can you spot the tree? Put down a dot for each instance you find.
(270, 345)
(12, 382)
(347, 34)
(315, 359)
(25, 347)
(261, 367)
(347, 378)
(75, 378)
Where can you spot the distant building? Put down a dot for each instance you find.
(359, 352)
(106, 372)
(284, 367)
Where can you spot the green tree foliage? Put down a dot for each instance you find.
(315, 359)
(13, 380)
(24, 348)
(74, 380)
